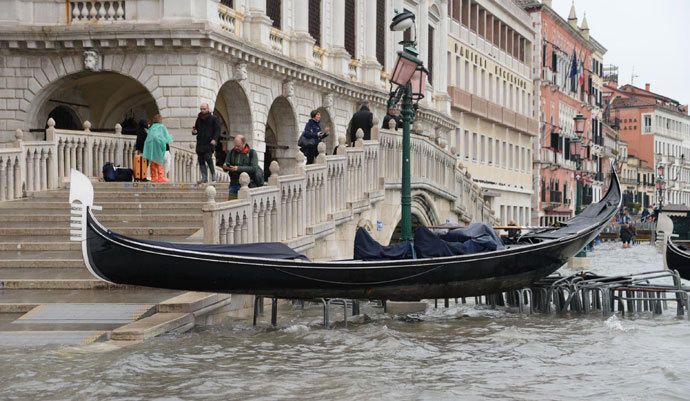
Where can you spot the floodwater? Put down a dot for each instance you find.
(463, 352)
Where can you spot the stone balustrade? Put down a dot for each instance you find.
(30, 166)
(299, 208)
(230, 20)
(89, 11)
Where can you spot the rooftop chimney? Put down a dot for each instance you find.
(647, 87)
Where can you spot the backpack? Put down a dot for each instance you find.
(257, 179)
(109, 173)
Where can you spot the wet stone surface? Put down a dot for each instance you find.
(463, 352)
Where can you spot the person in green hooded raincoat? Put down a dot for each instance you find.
(157, 142)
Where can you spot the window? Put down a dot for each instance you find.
(430, 47)
(315, 20)
(350, 28)
(474, 146)
(380, 31)
(482, 149)
(227, 3)
(466, 148)
(458, 72)
(273, 12)
(491, 151)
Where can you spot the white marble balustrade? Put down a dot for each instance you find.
(336, 187)
(90, 11)
(10, 174)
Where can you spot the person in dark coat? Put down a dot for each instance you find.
(207, 131)
(141, 136)
(241, 159)
(626, 234)
(392, 114)
(363, 119)
(311, 136)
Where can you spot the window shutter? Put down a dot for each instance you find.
(273, 12)
(315, 20)
(381, 31)
(350, 26)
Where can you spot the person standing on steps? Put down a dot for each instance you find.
(207, 132)
(363, 119)
(312, 136)
(393, 114)
(157, 140)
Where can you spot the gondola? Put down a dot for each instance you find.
(274, 270)
(678, 257)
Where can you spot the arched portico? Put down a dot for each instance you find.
(327, 122)
(102, 98)
(282, 133)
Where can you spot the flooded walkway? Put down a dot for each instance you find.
(463, 352)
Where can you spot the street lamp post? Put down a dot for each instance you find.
(410, 77)
(579, 130)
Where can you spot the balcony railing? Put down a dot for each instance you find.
(89, 11)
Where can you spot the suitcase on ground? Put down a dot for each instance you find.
(140, 167)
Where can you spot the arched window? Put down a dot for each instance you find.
(350, 28)
(315, 20)
(273, 12)
(65, 118)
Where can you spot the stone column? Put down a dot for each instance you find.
(301, 42)
(257, 24)
(339, 58)
(371, 69)
(443, 100)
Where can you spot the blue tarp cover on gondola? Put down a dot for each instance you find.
(481, 237)
(366, 248)
(270, 250)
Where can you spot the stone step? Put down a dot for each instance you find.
(87, 313)
(42, 338)
(30, 263)
(154, 325)
(149, 186)
(54, 284)
(130, 294)
(45, 273)
(152, 215)
(13, 241)
(107, 206)
(129, 196)
(59, 244)
(129, 231)
(137, 223)
(190, 302)
(40, 255)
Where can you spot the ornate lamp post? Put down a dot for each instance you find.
(579, 130)
(660, 185)
(409, 76)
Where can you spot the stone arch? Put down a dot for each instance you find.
(281, 125)
(234, 109)
(424, 213)
(103, 98)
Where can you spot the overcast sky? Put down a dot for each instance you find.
(651, 35)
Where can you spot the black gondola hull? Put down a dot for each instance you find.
(678, 259)
(125, 262)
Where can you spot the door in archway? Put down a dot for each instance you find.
(282, 134)
(65, 118)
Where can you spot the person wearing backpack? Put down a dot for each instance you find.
(241, 159)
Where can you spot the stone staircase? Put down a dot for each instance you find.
(44, 285)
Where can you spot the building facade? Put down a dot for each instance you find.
(489, 58)
(657, 132)
(261, 65)
(569, 83)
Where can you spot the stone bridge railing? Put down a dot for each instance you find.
(30, 166)
(300, 208)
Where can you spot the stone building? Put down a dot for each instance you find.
(261, 65)
(657, 132)
(491, 86)
(569, 83)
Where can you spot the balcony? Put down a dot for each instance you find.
(479, 106)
